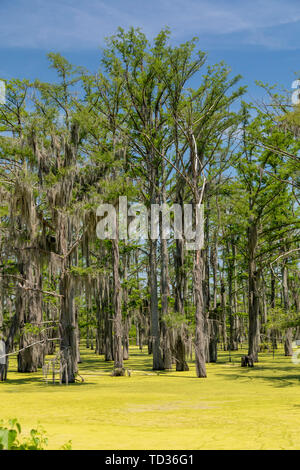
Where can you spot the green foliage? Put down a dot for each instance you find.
(135, 128)
(280, 318)
(11, 438)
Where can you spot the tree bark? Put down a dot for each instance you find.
(179, 346)
(155, 329)
(199, 315)
(118, 353)
(253, 295)
(288, 350)
(33, 356)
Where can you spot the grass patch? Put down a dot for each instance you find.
(234, 408)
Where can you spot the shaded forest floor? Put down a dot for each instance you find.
(234, 408)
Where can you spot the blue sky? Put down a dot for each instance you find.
(259, 39)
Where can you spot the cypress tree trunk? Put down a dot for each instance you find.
(100, 335)
(224, 316)
(155, 329)
(232, 345)
(288, 350)
(127, 320)
(206, 287)
(199, 315)
(273, 295)
(154, 313)
(126, 329)
(109, 350)
(253, 295)
(108, 337)
(118, 353)
(198, 269)
(214, 336)
(67, 321)
(167, 356)
(50, 346)
(31, 357)
(68, 330)
(179, 346)
(214, 318)
(16, 322)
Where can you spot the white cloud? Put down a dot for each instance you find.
(75, 24)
